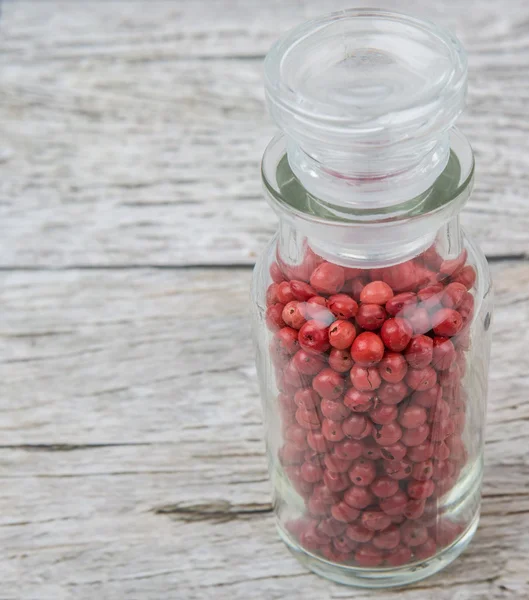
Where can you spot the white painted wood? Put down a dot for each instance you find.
(133, 136)
(131, 456)
(131, 448)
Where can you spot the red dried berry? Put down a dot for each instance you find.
(339, 360)
(376, 292)
(370, 317)
(302, 291)
(393, 366)
(327, 278)
(396, 333)
(314, 337)
(367, 349)
(342, 306)
(328, 384)
(341, 334)
(447, 322)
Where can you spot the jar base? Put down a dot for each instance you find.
(381, 577)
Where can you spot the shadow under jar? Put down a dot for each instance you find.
(371, 306)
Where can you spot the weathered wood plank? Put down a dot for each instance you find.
(135, 139)
(131, 455)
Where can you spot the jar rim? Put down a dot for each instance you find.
(405, 211)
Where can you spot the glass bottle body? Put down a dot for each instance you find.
(374, 386)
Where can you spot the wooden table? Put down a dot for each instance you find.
(131, 458)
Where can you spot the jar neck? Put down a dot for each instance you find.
(374, 238)
(369, 177)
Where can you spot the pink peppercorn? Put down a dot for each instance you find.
(292, 315)
(376, 292)
(341, 334)
(395, 306)
(274, 317)
(306, 398)
(358, 401)
(335, 463)
(367, 349)
(412, 416)
(453, 295)
(384, 487)
(386, 435)
(286, 340)
(447, 322)
(358, 533)
(332, 430)
(328, 278)
(398, 469)
(311, 473)
(365, 379)
(358, 497)
(387, 539)
(401, 278)
(383, 414)
(340, 360)
(284, 292)
(426, 550)
(357, 426)
(271, 294)
(371, 450)
(344, 513)
(413, 534)
(416, 436)
(346, 449)
(420, 452)
(334, 409)
(396, 333)
(395, 451)
(421, 379)
(467, 277)
(317, 441)
(336, 482)
(375, 520)
(328, 384)
(420, 490)
(302, 291)
(307, 363)
(392, 367)
(396, 504)
(308, 419)
(362, 472)
(314, 336)
(342, 306)
(363, 411)
(423, 470)
(392, 393)
(419, 352)
(367, 556)
(370, 316)
(443, 354)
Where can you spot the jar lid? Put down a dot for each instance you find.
(367, 95)
(364, 73)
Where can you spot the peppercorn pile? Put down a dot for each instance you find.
(369, 366)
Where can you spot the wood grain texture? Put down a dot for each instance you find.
(132, 463)
(132, 460)
(133, 136)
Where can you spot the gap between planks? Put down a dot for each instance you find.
(174, 267)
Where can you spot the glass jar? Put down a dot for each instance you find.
(371, 306)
